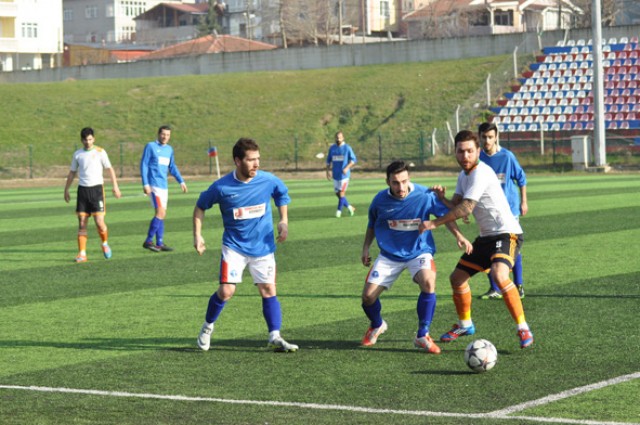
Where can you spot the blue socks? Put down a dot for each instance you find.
(517, 271)
(153, 229)
(270, 309)
(343, 203)
(215, 308)
(272, 313)
(426, 308)
(373, 312)
(160, 233)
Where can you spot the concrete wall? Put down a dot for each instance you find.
(315, 58)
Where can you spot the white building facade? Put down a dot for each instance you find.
(31, 35)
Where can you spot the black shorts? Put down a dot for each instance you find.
(503, 248)
(90, 200)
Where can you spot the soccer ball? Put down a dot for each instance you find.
(480, 355)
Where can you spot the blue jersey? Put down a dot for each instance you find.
(338, 158)
(156, 163)
(246, 211)
(395, 222)
(510, 173)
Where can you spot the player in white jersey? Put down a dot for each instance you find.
(478, 192)
(244, 197)
(89, 163)
(394, 217)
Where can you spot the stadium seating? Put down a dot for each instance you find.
(556, 92)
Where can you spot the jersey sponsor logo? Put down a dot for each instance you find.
(406, 225)
(338, 158)
(246, 213)
(163, 160)
(502, 178)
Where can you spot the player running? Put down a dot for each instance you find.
(394, 216)
(244, 198)
(89, 163)
(340, 160)
(478, 191)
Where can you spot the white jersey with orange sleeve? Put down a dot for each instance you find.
(90, 164)
(492, 211)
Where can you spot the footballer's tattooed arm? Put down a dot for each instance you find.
(461, 210)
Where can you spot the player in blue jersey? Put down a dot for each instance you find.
(394, 216)
(340, 160)
(513, 180)
(156, 164)
(244, 198)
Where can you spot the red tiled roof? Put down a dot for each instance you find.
(209, 44)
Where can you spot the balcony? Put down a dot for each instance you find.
(8, 45)
(8, 9)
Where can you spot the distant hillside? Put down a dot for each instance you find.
(376, 106)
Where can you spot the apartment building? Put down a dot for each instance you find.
(104, 21)
(30, 34)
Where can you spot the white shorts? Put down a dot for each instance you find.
(159, 197)
(340, 185)
(232, 265)
(385, 271)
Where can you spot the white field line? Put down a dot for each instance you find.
(565, 394)
(498, 415)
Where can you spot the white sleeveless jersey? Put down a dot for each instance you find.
(492, 211)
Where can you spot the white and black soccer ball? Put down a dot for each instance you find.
(481, 355)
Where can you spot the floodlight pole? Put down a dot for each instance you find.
(599, 140)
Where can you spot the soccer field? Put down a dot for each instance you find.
(113, 341)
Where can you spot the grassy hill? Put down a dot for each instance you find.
(375, 106)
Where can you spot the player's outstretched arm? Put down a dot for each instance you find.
(198, 240)
(462, 209)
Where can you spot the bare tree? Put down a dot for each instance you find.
(312, 22)
(609, 9)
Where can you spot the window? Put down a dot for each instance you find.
(68, 15)
(91, 12)
(384, 9)
(480, 19)
(132, 8)
(29, 30)
(109, 13)
(503, 17)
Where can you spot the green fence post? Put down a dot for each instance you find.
(295, 150)
(379, 151)
(210, 160)
(121, 159)
(30, 161)
(421, 141)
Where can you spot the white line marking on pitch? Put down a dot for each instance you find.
(565, 394)
(498, 414)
